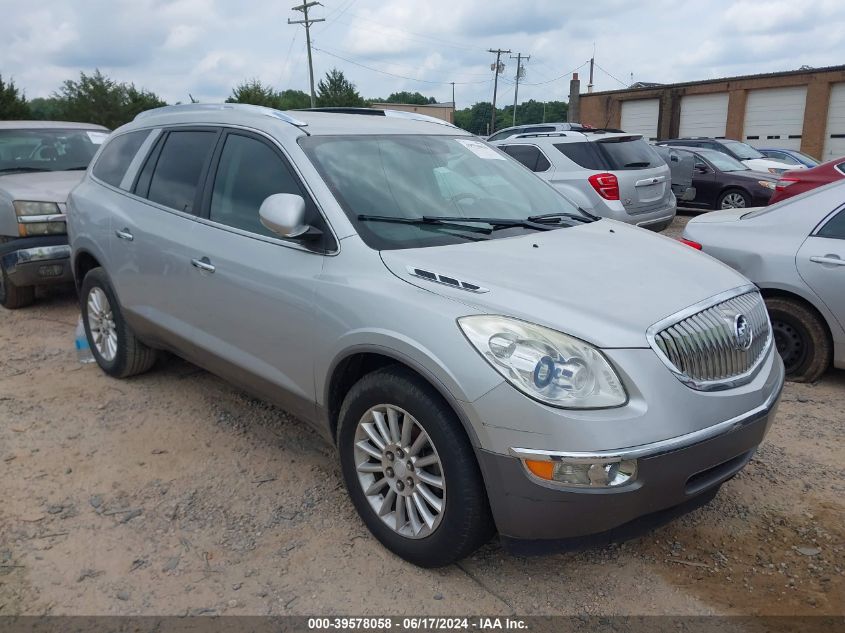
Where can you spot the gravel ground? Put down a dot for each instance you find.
(175, 493)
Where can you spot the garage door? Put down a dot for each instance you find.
(640, 117)
(704, 115)
(834, 136)
(775, 117)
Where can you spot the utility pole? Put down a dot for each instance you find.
(497, 68)
(454, 105)
(520, 73)
(308, 22)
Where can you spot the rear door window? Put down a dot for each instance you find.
(116, 156)
(835, 227)
(175, 176)
(528, 155)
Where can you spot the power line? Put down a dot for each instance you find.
(389, 74)
(442, 41)
(498, 67)
(340, 51)
(569, 74)
(307, 23)
(611, 76)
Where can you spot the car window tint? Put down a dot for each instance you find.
(114, 160)
(625, 153)
(583, 154)
(835, 227)
(179, 167)
(529, 156)
(249, 171)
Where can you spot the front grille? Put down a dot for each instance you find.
(707, 348)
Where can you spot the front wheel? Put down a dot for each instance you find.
(410, 469)
(733, 199)
(113, 343)
(801, 339)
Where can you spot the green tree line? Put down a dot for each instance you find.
(95, 98)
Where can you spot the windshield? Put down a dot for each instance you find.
(417, 176)
(723, 162)
(742, 150)
(48, 149)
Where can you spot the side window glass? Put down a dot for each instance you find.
(835, 227)
(249, 171)
(179, 167)
(526, 154)
(117, 155)
(582, 154)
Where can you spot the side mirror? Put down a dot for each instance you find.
(284, 214)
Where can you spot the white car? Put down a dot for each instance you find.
(794, 251)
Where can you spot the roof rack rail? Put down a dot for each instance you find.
(210, 107)
(538, 134)
(398, 114)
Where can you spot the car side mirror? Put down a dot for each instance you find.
(284, 214)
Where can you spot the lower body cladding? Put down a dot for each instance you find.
(570, 499)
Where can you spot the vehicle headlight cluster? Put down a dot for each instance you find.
(768, 184)
(39, 218)
(545, 364)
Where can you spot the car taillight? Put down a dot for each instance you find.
(690, 243)
(783, 183)
(606, 185)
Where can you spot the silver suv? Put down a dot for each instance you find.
(40, 162)
(482, 354)
(610, 174)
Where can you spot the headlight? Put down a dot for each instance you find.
(777, 170)
(39, 218)
(544, 364)
(766, 183)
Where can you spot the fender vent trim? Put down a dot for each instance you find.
(446, 280)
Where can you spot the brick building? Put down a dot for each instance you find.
(802, 109)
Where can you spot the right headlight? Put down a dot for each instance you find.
(545, 364)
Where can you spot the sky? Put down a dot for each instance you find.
(204, 48)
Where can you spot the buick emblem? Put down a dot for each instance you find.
(742, 332)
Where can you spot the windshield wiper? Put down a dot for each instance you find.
(458, 222)
(10, 169)
(586, 218)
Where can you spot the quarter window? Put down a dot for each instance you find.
(249, 171)
(528, 155)
(179, 167)
(835, 228)
(583, 154)
(112, 164)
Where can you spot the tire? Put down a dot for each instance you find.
(463, 523)
(130, 356)
(13, 297)
(741, 198)
(802, 339)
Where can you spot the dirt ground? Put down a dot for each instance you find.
(175, 493)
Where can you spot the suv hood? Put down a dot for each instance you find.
(604, 282)
(42, 186)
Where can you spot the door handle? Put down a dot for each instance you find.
(203, 264)
(125, 235)
(828, 260)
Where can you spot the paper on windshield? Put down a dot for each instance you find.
(97, 138)
(480, 149)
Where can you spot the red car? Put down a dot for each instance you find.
(791, 183)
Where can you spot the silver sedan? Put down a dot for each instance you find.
(795, 252)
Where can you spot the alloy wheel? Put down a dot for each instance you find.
(400, 471)
(101, 324)
(733, 201)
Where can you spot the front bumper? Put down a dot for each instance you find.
(37, 261)
(670, 473)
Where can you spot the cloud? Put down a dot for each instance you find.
(206, 47)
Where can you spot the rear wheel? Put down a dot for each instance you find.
(113, 343)
(801, 339)
(410, 470)
(13, 297)
(733, 199)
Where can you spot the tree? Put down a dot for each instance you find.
(98, 99)
(293, 100)
(337, 91)
(256, 93)
(410, 97)
(45, 109)
(12, 102)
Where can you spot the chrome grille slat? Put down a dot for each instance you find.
(701, 347)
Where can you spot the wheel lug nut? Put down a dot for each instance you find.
(410, 482)
(389, 472)
(409, 465)
(400, 486)
(400, 454)
(389, 456)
